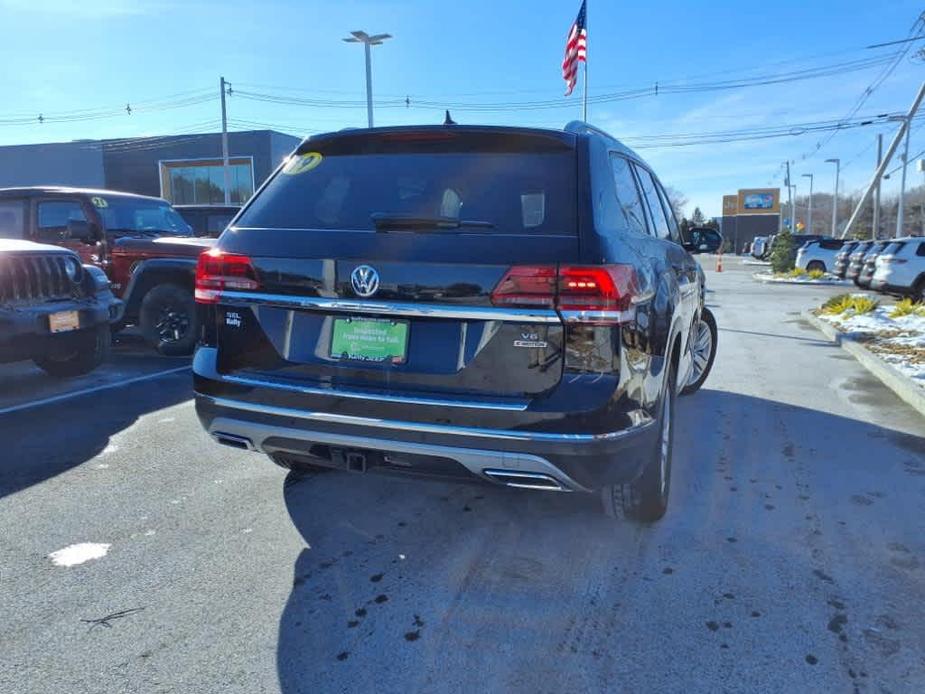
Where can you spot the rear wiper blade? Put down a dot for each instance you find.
(385, 221)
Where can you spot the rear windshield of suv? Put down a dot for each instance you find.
(500, 189)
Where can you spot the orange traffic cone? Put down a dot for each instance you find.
(719, 262)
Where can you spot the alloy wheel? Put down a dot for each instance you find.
(172, 324)
(701, 348)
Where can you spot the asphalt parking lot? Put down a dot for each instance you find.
(792, 557)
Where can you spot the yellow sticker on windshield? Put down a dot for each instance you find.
(300, 163)
(99, 202)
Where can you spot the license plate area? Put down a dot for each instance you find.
(63, 321)
(370, 340)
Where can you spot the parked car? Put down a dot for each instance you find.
(900, 268)
(856, 260)
(867, 265)
(705, 239)
(507, 304)
(208, 220)
(842, 259)
(53, 310)
(819, 254)
(142, 243)
(759, 245)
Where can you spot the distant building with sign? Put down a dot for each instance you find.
(749, 213)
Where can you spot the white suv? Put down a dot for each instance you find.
(819, 255)
(900, 268)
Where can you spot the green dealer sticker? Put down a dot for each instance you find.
(371, 340)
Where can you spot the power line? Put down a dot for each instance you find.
(879, 80)
(670, 87)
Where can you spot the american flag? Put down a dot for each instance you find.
(576, 49)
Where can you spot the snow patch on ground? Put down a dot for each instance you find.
(72, 555)
(898, 341)
(773, 279)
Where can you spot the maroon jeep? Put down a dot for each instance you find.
(142, 244)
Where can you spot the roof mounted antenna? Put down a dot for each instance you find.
(448, 120)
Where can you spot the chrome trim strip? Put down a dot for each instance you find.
(469, 432)
(389, 308)
(473, 459)
(599, 316)
(517, 406)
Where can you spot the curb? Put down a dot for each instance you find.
(892, 378)
(761, 277)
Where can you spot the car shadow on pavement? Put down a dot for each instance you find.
(44, 441)
(425, 585)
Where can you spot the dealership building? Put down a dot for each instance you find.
(749, 213)
(184, 169)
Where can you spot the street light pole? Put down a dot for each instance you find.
(837, 163)
(809, 212)
(368, 41)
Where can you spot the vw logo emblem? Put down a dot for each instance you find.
(364, 280)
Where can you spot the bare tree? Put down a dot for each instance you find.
(678, 201)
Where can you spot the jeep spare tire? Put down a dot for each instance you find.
(169, 320)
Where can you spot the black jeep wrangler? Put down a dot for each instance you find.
(53, 310)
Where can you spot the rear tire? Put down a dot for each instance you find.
(169, 320)
(79, 354)
(918, 291)
(815, 265)
(646, 498)
(703, 346)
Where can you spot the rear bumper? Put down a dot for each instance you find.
(576, 462)
(881, 284)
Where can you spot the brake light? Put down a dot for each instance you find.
(217, 271)
(600, 294)
(526, 285)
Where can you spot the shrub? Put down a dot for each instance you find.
(816, 274)
(797, 272)
(782, 254)
(838, 304)
(863, 304)
(907, 307)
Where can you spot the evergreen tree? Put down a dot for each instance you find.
(782, 253)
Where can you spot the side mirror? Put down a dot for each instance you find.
(691, 247)
(81, 230)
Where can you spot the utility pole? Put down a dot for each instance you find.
(837, 163)
(902, 186)
(368, 41)
(793, 221)
(894, 145)
(875, 232)
(809, 212)
(226, 169)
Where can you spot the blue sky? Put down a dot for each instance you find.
(61, 56)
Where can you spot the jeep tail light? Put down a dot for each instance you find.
(217, 272)
(598, 294)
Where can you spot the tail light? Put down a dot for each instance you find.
(217, 271)
(599, 294)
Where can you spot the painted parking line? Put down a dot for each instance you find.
(87, 391)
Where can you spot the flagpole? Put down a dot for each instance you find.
(584, 108)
